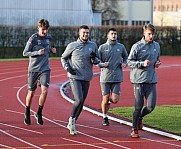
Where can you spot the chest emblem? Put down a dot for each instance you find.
(39, 42)
(48, 41)
(90, 49)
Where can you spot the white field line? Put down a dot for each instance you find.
(87, 144)
(119, 120)
(108, 142)
(6, 146)
(19, 139)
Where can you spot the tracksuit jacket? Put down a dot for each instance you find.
(77, 56)
(140, 52)
(115, 53)
(37, 62)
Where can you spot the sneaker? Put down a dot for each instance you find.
(27, 119)
(140, 124)
(134, 133)
(105, 121)
(39, 118)
(71, 126)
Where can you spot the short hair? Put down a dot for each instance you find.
(111, 29)
(149, 27)
(83, 27)
(43, 23)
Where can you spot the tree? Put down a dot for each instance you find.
(110, 10)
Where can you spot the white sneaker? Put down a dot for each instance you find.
(71, 126)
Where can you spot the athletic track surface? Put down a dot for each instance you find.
(91, 134)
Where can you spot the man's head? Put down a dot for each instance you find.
(43, 26)
(148, 32)
(83, 33)
(112, 34)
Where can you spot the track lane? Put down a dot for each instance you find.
(56, 112)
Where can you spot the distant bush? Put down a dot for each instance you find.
(13, 38)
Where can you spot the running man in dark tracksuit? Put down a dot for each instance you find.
(144, 57)
(115, 56)
(37, 49)
(78, 59)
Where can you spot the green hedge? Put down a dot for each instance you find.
(13, 38)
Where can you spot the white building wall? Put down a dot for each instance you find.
(141, 10)
(58, 12)
(136, 10)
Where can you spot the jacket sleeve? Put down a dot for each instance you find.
(97, 58)
(65, 58)
(28, 49)
(100, 64)
(132, 58)
(125, 55)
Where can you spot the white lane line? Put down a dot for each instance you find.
(87, 144)
(118, 120)
(90, 136)
(13, 111)
(20, 128)
(20, 139)
(12, 72)
(84, 126)
(162, 142)
(17, 95)
(9, 78)
(6, 146)
(102, 140)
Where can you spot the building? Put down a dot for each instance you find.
(58, 12)
(125, 12)
(76, 12)
(167, 13)
(137, 12)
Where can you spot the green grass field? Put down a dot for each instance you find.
(167, 118)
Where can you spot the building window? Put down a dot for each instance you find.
(167, 7)
(177, 7)
(154, 8)
(172, 8)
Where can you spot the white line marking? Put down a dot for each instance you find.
(12, 72)
(162, 142)
(108, 142)
(6, 146)
(17, 95)
(84, 126)
(13, 111)
(12, 78)
(119, 120)
(21, 128)
(19, 139)
(83, 143)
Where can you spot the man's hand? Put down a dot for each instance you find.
(123, 65)
(54, 50)
(71, 71)
(41, 51)
(106, 64)
(146, 63)
(157, 64)
(93, 56)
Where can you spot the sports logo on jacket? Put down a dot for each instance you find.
(48, 41)
(39, 42)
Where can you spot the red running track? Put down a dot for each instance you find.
(91, 134)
